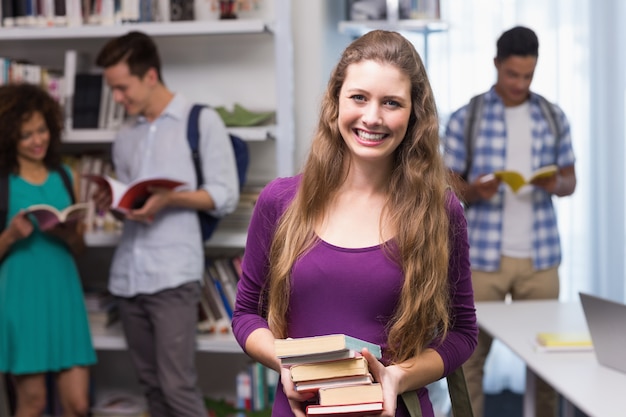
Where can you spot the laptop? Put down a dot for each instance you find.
(606, 321)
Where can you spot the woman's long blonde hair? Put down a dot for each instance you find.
(417, 192)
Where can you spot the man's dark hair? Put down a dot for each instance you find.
(135, 48)
(520, 41)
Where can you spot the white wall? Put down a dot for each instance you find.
(317, 47)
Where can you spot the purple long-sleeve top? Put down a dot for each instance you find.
(346, 290)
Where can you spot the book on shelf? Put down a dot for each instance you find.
(219, 268)
(214, 300)
(563, 341)
(48, 217)
(515, 180)
(351, 410)
(74, 62)
(210, 322)
(315, 385)
(309, 347)
(132, 196)
(224, 296)
(7, 13)
(87, 99)
(331, 369)
(351, 394)
(101, 308)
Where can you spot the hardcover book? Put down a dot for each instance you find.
(351, 394)
(331, 369)
(352, 410)
(132, 196)
(316, 384)
(317, 345)
(515, 180)
(319, 357)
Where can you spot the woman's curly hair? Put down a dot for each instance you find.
(18, 103)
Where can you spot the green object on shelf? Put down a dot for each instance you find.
(243, 117)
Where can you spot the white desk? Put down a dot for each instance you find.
(596, 390)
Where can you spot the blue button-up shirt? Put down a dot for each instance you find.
(484, 218)
(169, 251)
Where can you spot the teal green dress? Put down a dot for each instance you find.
(43, 320)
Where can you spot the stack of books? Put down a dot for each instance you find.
(332, 366)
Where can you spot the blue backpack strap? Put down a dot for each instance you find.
(208, 223)
(193, 137)
(242, 158)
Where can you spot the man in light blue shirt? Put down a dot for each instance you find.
(158, 265)
(514, 241)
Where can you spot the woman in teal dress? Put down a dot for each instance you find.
(43, 320)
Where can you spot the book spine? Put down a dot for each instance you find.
(259, 393)
(8, 13)
(222, 294)
(74, 17)
(271, 380)
(244, 392)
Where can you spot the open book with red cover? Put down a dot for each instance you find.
(127, 197)
(48, 217)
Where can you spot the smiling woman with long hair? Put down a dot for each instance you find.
(368, 240)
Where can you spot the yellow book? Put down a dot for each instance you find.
(564, 341)
(515, 180)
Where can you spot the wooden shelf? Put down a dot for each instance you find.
(156, 29)
(112, 338)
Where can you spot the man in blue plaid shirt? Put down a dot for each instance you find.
(514, 241)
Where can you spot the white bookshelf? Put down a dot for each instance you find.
(221, 239)
(248, 134)
(423, 26)
(112, 338)
(247, 61)
(156, 29)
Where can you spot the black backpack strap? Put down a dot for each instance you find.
(4, 201)
(459, 397)
(472, 128)
(67, 181)
(193, 137)
(553, 122)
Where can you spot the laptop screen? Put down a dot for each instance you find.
(606, 321)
